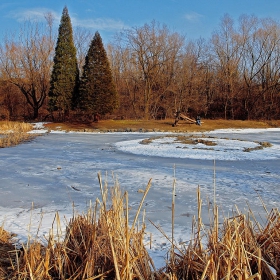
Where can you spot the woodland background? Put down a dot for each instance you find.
(156, 71)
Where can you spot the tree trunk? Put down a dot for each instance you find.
(35, 112)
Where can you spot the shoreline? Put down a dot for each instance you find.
(159, 126)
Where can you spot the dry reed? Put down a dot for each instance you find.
(14, 133)
(7, 252)
(239, 249)
(106, 243)
(99, 244)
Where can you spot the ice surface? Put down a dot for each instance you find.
(57, 170)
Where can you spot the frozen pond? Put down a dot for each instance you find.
(56, 170)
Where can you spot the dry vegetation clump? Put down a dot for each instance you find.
(97, 245)
(147, 141)
(269, 240)
(194, 140)
(183, 139)
(7, 126)
(265, 144)
(107, 247)
(105, 244)
(5, 236)
(7, 252)
(239, 249)
(14, 133)
(259, 147)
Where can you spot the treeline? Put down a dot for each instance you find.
(40, 81)
(146, 72)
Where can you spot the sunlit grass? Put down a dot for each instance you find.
(159, 125)
(7, 127)
(14, 133)
(107, 243)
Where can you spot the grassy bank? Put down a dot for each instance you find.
(103, 244)
(157, 125)
(14, 133)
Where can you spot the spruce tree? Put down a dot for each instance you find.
(64, 82)
(97, 92)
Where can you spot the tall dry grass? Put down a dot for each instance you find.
(103, 244)
(239, 248)
(99, 244)
(14, 133)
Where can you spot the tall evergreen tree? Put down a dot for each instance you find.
(64, 82)
(97, 92)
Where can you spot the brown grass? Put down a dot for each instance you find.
(7, 127)
(261, 146)
(14, 133)
(238, 249)
(7, 252)
(183, 139)
(160, 125)
(103, 244)
(97, 245)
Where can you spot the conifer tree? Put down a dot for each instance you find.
(64, 82)
(97, 92)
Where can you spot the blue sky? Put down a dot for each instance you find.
(193, 18)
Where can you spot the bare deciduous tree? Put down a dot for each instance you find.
(151, 50)
(12, 102)
(26, 62)
(227, 50)
(260, 66)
